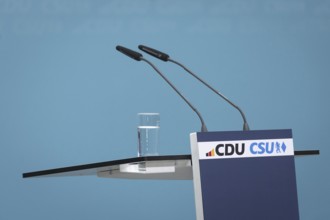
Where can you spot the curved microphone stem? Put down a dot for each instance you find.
(203, 129)
(245, 124)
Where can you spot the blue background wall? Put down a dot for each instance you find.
(67, 97)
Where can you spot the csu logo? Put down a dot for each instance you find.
(267, 147)
(255, 148)
(227, 150)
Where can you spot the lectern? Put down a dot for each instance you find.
(244, 175)
(237, 174)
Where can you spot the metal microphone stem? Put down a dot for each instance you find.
(245, 125)
(203, 129)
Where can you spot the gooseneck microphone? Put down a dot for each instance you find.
(137, 56)
(165, 57)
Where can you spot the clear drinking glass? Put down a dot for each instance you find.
(148, 134)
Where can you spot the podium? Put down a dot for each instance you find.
(236, 175)
(244, 175)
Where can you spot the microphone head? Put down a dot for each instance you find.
(132, 54)
(155, 53)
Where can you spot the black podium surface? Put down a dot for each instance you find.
(170, 167)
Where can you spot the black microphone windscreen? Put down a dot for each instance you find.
(155, 53)
(131, 53)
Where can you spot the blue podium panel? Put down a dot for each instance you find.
(244, 175)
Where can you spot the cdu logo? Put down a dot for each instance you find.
(227, 150)
(267, 147)
(246, 148)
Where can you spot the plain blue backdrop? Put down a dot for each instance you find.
(67, 97)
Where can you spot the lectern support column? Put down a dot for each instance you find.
(244, 175)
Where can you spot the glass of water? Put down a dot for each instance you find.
(148, 134)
